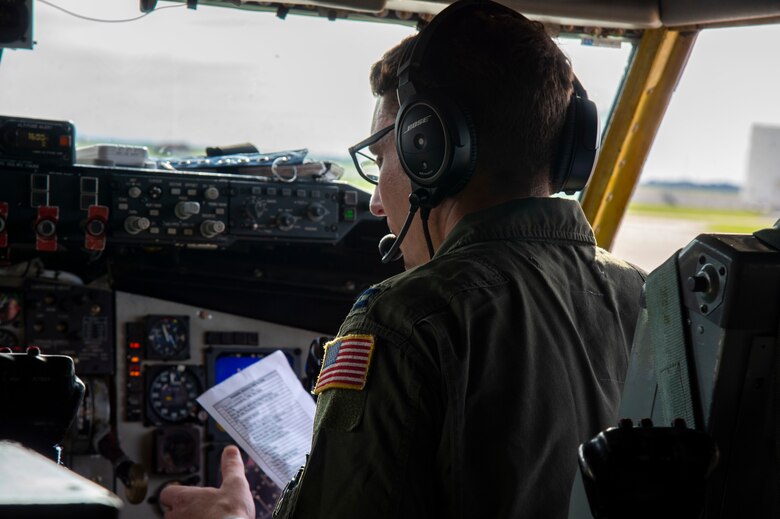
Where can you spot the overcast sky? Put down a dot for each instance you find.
(218, 76)
(730, 83)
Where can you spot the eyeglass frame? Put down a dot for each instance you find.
(354, 151)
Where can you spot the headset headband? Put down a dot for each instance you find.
(412, 59)
(578, 145)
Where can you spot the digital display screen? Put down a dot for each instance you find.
(32, 140)
(228, 365)
(50, 142)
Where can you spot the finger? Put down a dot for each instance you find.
(169, 494)
(175, 494)
(232, 464)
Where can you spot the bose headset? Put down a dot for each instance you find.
(436, 141)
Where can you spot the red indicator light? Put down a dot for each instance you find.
(135, 359)
(65, 141)
(135, 345)
(135, 373)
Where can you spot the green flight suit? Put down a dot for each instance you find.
(490, 365)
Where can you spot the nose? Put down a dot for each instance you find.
(375, 205)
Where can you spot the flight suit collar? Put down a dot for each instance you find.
(543, 219)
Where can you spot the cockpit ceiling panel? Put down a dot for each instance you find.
(616, 14)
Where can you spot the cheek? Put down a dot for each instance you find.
(394, 179)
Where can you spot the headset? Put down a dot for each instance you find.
(437, 144)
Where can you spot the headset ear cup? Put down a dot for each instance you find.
(565, 148)
(436, 143)
(465, 163)
(578, 145)
(422, 141)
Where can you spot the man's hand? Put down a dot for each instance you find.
(232, 499)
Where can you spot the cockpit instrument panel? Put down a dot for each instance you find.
(161, 283)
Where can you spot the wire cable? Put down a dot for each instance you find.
(424, 213)
(90, 19)
(390, 255)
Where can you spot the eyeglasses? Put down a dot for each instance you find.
(364, 160)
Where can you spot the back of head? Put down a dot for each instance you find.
(509, 77)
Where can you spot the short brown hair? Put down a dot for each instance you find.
(512, 79)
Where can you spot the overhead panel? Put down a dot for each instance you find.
(695, 12)
(639, 14)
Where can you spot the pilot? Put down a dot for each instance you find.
(463, 386)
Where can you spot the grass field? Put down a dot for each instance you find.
(716, 220)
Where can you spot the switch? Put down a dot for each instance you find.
(350, 198)
(186, 209)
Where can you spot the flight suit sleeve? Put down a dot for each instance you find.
(373, 448)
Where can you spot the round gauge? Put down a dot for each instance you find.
(9, 307)
(178, 450)
(172, 393)
(8, 340)
(168, 338)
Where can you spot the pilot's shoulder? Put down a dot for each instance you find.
(412, 295)
(619, 267)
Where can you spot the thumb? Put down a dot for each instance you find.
(232, 464)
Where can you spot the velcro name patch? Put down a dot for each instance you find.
(345, 364)
(361, 303)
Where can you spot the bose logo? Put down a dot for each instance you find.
(417, 123)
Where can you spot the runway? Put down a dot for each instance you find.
(647, 241)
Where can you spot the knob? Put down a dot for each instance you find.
(285, 221)
(134, 192)
(316, 212)
(46, 228)
(698, 283)
(186, 209)
(211, 193)
(706, 282)
(136, 224)
(96, 227)
(211, 228)
(256, 208)
(155, 192)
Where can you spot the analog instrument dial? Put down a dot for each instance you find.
(168, 338)
(172, 392)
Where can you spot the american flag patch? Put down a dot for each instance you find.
(346, 363)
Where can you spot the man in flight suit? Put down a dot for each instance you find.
(462, 387)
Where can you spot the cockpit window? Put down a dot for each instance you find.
(713, 165)
(600, 65)
(179, 80)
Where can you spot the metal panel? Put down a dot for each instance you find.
(689, 12)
